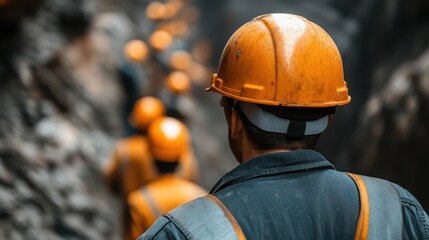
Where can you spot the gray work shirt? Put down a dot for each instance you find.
(294, 195)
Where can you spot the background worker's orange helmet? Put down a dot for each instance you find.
(145, 110)
(136, 50)
(178, 82)
(282, 60)
(160, 40)
(180, 60)
(168, 139)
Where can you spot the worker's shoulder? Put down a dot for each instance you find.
(163, 228)
(415, 219)
(404, 195)
(135, 198)
(174, 224)
(171, 185)
(135, 144)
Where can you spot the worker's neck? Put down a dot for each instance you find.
(252, 153)
(249, 151)
(246, 148)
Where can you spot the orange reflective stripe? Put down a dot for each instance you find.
(363, 220)
(230, 217)
(156, 211)
(123, 166)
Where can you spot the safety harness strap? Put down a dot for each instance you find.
(380, 215)
(363, 220)
(206, 218)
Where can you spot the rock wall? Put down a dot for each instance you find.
(393, 130)
(60, 114)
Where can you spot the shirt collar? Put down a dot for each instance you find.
(273, 163)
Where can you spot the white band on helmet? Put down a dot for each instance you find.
(272, 123)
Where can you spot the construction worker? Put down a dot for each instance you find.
(132, 163)
(178, 104)
(281, 78)
(130, 75)
(168, 141)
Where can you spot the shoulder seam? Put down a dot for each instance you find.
(425, 222)
(408, 201)
(179, 225)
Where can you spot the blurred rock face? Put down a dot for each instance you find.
(394, 128)
(60, 115)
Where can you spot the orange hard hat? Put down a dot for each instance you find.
(176, 28)
(281, 60)
(160, 40)
(178, 82)
(136, 50)
(155, 10)
(145, 110)
(180, 60)
(168, 139)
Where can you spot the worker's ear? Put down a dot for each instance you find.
(236, 124)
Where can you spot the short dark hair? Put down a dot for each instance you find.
(264, 140)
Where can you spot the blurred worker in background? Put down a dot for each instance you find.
(281, 79)
(135, 52)
(132, 163)
(168, 141)
(177, 85)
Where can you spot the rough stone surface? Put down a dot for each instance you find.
(60, 115)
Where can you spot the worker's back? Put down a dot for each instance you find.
(296, 195)
(300, 195)
(285, 197)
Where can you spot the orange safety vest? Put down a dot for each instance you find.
(158, 197)
(132, 166)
